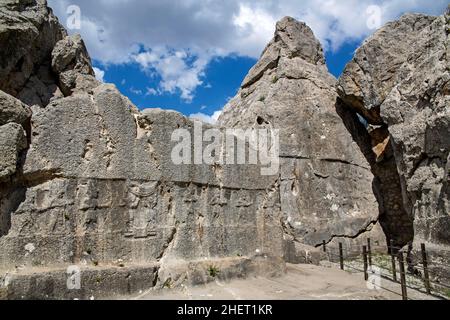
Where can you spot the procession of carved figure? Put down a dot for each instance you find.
(218, 201)
(191, 197)
(243, 199)
(272, 201)
(142, 201)
(218, 198)
(87, 195)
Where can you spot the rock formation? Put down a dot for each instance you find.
(89, 189)
(325, 181)
(28, 34)
(88, 180)
(399, 82)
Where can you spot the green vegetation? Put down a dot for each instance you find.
(35, 263)
(167, 284)
(213, 271)
(382, 260)
(447, 293)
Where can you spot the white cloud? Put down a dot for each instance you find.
(212, 119)
(181, 37)
(254, 28)
(99, 74)
(135, 91)
(151, 92)
(175, 69)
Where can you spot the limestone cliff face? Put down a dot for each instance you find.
(87, 179)
(28, 34)
(325, 181)
(399, 82)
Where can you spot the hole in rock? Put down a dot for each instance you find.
(260, 120)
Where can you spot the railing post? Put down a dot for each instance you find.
(394, 268)
(324, 245)
(369, 251)
(426, 276)
(366, 275)
(341, 256)
(402, 275)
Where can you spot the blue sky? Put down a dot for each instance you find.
(223, 77)
(192, 55)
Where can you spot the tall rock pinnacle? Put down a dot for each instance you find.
(290, 89)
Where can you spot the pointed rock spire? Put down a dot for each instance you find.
(292, 39)
(296, 39)
(290, 90)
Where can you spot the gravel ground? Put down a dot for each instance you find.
(301, 282)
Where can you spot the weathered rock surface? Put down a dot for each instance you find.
(325, 184)
(87, 179)
(98, 167)
(70, 59)
(97, 187)
(28, 33)
(41, 61)
(12, 141)
(13, 110)
(297, 253)
(379, 65)
(405, 93)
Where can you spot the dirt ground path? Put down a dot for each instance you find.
(301, 282)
